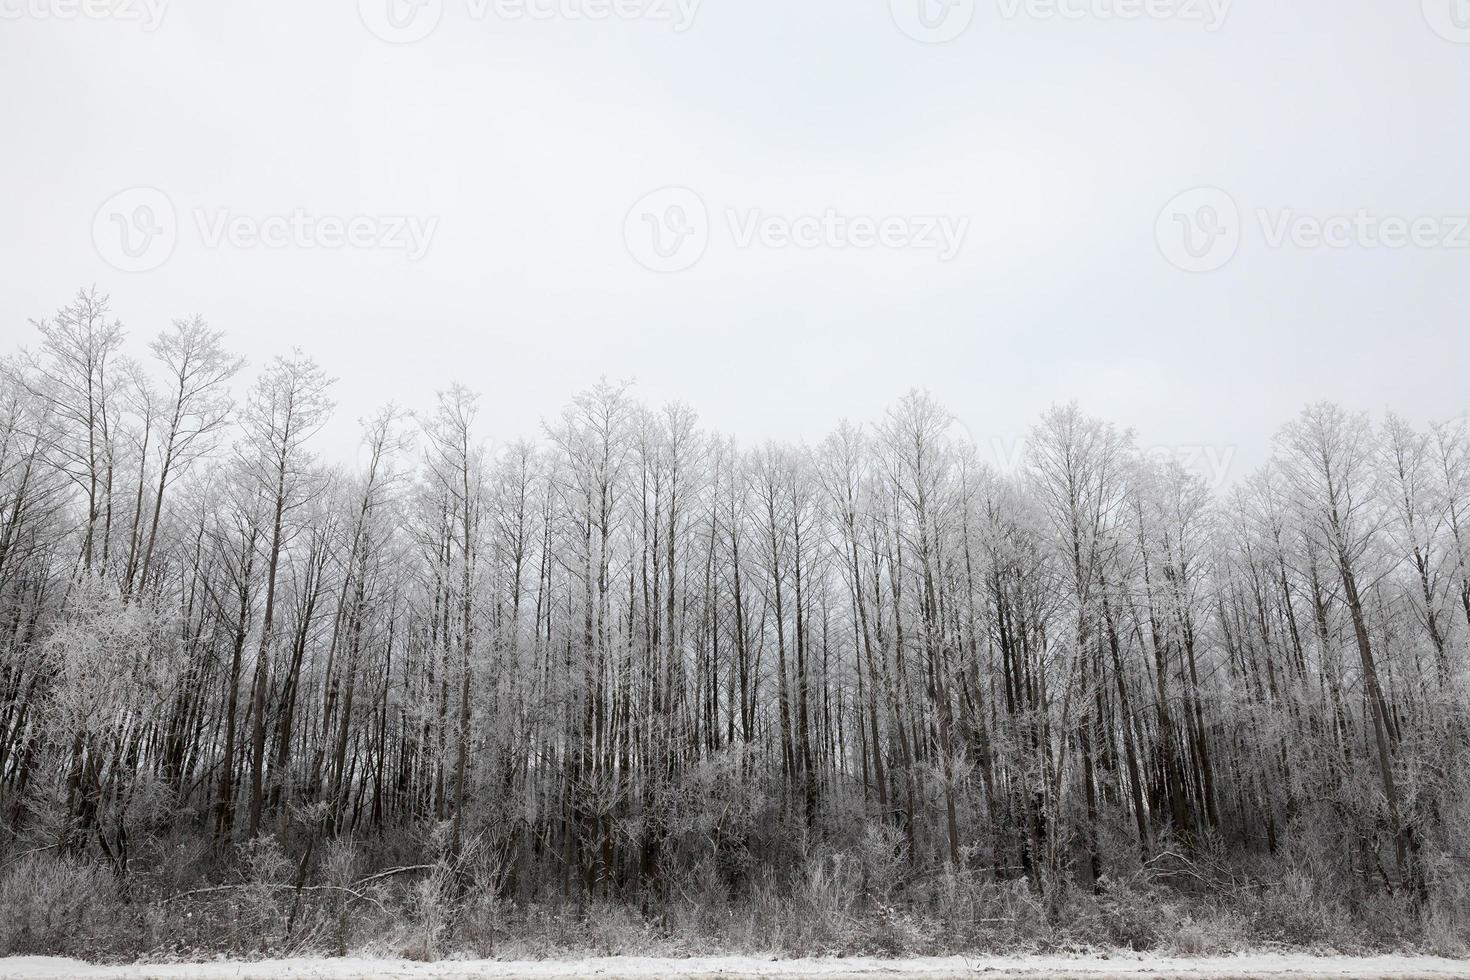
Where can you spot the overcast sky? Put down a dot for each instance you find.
(989, 217)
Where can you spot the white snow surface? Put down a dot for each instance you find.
(706, 968)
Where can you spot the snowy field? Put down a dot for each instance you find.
(637, 968)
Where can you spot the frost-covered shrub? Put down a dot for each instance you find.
(429, 912)
(1290, 912)
(339, 867)
(882, 861)
(480, 919)
(1209, 932)
(59, 907)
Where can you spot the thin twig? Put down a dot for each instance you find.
(308, 888)
(22, 854)
(395, 871)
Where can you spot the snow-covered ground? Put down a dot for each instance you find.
(640, 968)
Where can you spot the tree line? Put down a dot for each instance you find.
(632, 646)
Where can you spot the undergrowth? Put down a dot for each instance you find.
(253, 903)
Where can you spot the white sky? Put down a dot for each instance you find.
(530, 139)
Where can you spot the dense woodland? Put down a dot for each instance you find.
(630, 663)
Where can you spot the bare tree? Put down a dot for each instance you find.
(287, 406)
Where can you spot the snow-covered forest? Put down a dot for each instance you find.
(625, 683)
